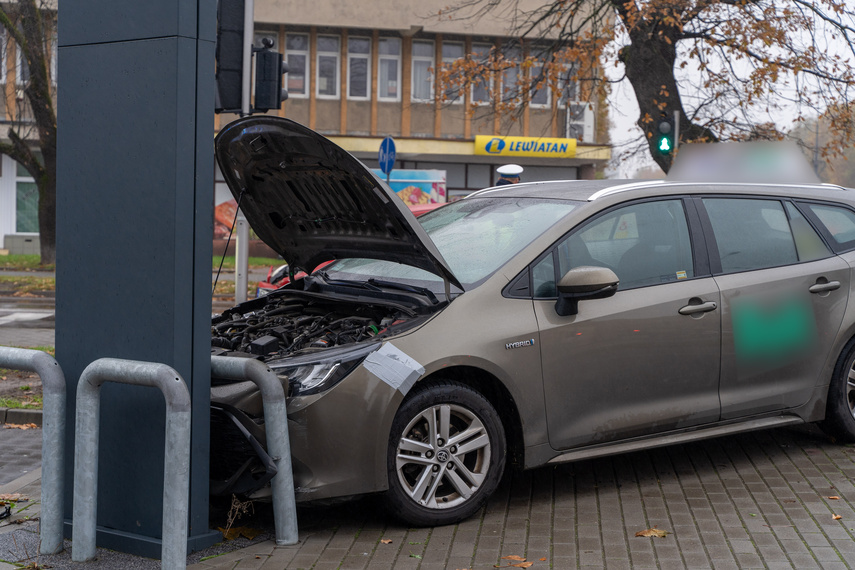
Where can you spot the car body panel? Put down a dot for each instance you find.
(648, 368)
(755, 379)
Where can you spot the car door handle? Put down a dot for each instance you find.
(823, 287)
(695, 309)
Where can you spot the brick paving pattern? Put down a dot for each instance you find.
(20, 453)
(760, 500)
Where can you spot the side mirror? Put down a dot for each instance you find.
(585, 282)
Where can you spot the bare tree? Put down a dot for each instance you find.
(31, 23)
(728, 68)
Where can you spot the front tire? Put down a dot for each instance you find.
(840, 409)
(446, 455)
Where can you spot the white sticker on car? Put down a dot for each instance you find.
(391, 365)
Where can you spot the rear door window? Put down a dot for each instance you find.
(751, 233)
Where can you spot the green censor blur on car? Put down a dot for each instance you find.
(525, 325)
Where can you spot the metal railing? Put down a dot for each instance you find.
(176, 478)
(53, 438)
(276, 430)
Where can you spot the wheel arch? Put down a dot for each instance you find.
(499, 397)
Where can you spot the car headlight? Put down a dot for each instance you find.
(316, 373)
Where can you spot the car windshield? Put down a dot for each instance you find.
(475, 237)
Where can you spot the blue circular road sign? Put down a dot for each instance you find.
(387, 155)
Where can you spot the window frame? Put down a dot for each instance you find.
(539, 66)
(487, 85)
(4, 46)
(447, 60)
(698, 246)
(836, 247)
(367, 56)
(20, 62)
(328, 54)
(712, 243)
(306, 71)
(431, 60)
(397, 58)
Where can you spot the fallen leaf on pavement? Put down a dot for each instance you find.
(523, 565)
(834, 498)
(386, 540)
(653, 532)
(543, 559)
(836, 517)
(21, 426)
(514, 557)
(14, 497)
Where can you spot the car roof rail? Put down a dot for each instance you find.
(623, 188)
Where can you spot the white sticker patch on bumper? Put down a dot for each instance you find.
(394, 367)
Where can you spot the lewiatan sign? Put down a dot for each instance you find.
(542, 147)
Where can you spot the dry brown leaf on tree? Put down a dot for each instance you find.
(653, 532)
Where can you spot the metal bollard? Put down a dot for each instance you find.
(176, 477)
(53, 438)
(278, 442)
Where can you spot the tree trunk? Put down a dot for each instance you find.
(649, 63)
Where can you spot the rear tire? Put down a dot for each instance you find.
(446, 455)
(839, 419)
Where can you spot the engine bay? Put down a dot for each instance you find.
(291, 323)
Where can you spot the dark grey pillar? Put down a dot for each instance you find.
(134, 226)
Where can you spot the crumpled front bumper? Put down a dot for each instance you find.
(338, 438)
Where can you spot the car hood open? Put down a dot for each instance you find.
(312, 201)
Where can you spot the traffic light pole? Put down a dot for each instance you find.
(242, 227)
(248, 33)
(676, 130)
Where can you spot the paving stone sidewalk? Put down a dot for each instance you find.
(761, 500)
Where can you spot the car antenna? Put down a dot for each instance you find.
(228, 240)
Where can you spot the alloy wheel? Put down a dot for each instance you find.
(443, 456)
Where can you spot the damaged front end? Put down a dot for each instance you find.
(312, 335)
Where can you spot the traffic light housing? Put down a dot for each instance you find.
(665, 136)
(269, 69)
(229, 55)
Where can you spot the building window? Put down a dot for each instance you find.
(297, 56)
(511, 76)
(328, 66)
(358, 67)
(388, 88)
(482, 84)
(2, 56)
(423, 54)
(540, 96)
(452, 52)
(22, 72)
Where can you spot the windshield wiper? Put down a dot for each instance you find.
(350, 283)
(403, 287)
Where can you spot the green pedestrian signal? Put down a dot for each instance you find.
(665, 137)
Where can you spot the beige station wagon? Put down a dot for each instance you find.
(528, 324)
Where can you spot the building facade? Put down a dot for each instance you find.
(361, 71)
